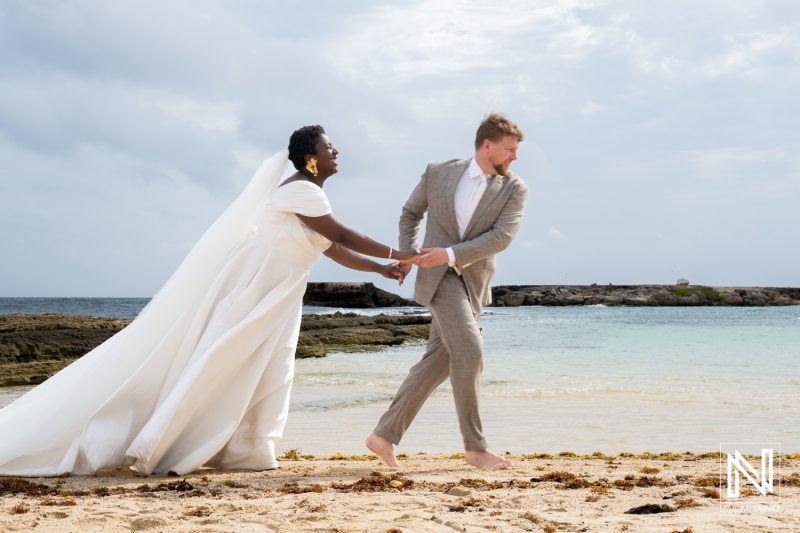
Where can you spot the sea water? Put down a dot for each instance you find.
(581, 379)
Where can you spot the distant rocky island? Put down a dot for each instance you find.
(34, 347)
(643, 295)
(366, 295)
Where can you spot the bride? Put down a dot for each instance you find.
(203, 375)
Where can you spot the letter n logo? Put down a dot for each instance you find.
(761, 480)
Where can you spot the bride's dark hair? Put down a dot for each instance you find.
(302, 142)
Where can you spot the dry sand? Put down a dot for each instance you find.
(429, 493)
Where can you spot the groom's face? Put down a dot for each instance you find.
(502, 153)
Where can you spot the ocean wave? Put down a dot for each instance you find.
(320, 405)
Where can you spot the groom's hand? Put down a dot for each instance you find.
(405, 267)
(433, 257)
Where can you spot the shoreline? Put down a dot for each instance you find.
(349, 494)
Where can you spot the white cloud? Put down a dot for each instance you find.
(439, 38)
(732, 172)
(125, 127)
(555, 233)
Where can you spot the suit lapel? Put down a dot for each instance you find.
(493, 188)
(449, 222)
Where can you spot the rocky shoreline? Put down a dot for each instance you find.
(366, 295)
(34, 347)
(643, 295)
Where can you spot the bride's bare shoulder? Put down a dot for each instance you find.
(297, 176)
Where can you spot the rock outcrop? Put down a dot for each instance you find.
(34, 347)
(642, 295)
(349, 332)
(361, 295)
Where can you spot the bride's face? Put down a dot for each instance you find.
(326, 156)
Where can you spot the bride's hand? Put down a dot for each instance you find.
(392, 272)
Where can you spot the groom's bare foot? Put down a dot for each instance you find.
(383, 449)
(486, 459)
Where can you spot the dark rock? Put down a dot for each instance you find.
(351, 295)
(550, 301)
(612, 301)
(691, 300)
(789, 292)
(348, 332)
(533, 298)
(24, 346)
(30, 357)
(755, 298)
(497, 292)
(640, 301)
(513, 299)
(574, 299)
(731, 298)
(665, 298)
(651, 508)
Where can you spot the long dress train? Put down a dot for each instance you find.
(212, 388)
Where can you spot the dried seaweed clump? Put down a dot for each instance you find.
(708, 481)
(480, 484)
(235, 484)
(568, 480)
(294, 488)
(176, 486)
(15, 485)
(375, 482)
(631, 481)
(363, 457)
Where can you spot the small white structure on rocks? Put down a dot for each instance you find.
(682, 281)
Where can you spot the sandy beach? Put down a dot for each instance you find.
(566, 492)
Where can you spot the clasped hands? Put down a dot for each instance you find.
(425, 258)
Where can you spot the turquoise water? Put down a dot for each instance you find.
(580, 379)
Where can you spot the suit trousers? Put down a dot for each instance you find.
(455, 349)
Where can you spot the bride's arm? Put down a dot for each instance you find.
(352, 260)
(333, 230)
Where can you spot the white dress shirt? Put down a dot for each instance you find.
(469, 191)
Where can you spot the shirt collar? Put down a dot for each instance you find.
(474, 169)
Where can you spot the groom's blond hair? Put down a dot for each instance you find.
(494, 127)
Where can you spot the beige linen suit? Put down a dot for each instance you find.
(455, 346)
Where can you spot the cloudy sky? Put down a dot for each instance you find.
(661, 136)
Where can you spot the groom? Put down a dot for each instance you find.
(474, 210)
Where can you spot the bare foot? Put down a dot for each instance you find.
(383, 449)
(486, 459)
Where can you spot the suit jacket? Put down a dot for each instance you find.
(493, 225)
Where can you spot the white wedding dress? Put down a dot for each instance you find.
(203, 375)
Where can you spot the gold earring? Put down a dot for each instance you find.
(311, 166)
